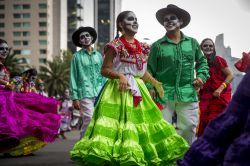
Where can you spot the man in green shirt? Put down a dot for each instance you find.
(177, 61)
(85, 74)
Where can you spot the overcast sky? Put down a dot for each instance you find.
(208, 19)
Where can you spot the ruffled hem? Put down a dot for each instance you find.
(27, 146)
(121, 134)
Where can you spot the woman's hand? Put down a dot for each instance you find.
(159, 88)
(123, 83)
(218, 91)
(10, 86)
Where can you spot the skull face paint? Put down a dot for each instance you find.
(85, 39)
(4, 50)
(171, 22)
(130, 24)
(32, 78)
(208, 47)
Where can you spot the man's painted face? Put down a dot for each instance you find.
(171, 22)
(4, 50)
(85, 38)
(207, 47)
(130, 24)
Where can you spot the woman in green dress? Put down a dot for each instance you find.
(127, 127)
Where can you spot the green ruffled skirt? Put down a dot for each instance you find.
(121, 134)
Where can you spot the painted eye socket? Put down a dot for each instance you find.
(132, 19)
(170, 18)
(208, 45)
(84, 36)
(4, 48)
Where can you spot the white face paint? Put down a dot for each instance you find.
(66, 93)
(171, 22)
(130, 23)
(85, 38)
(207, 47)
(4, 50)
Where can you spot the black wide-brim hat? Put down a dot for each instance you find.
(180, 13)
(76, 35)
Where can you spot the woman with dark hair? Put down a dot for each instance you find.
(216, 92)
(28, 121)
(127, 127)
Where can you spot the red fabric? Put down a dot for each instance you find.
(137, 100)
(159, 106)
(210, 106)
(243, 63)
(130, 49)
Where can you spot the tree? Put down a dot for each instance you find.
(56, 74)
(13, 64)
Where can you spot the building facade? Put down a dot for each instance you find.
(35, 30)
(225, 52)
(38, 30)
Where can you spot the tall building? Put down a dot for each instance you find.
(100, 14)
(35, 29)
(225, 52)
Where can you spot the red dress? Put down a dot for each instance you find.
(211, 106)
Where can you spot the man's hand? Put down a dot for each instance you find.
(197, 83)
(152, 93)
(76, 104)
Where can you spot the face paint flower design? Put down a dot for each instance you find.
(171, 22)
(207, 47)
(130, 23)
(85, 38)
(4, 50)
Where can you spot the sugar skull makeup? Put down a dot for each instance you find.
(171, 22)
(130, 23)
(207, 47)
(85, 38)
(4, 50)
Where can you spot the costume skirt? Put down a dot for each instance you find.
(27, 121)
(210, 107)
(121, 134)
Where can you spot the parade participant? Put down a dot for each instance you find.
(216, 92)
(4, 73)
(127, 127)
(28, 81)
(85, 78)
(27, 120)
(65, 111)
(225, 140)
(171, 61)
(41, 88)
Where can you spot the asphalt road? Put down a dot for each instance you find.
(54, 154)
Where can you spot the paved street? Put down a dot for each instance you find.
(56, 154)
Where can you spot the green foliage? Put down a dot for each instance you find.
(12, 64)
(56, 74)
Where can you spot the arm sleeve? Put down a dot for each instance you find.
(152, 62)
(73, 82)
(201, 66)
(221, 62)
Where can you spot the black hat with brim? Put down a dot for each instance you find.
(173, 9)
(76, 35)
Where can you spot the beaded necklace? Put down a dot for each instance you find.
(130, 49)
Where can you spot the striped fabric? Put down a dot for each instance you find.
(121, 134)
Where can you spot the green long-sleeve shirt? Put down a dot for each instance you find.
(175, 65)
(85, 74)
